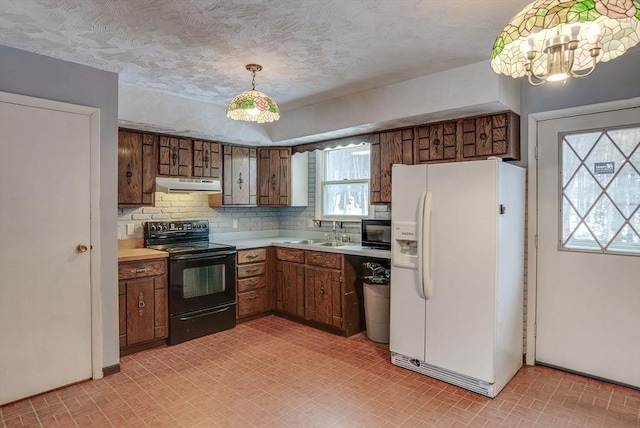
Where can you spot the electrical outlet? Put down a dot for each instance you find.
(131, 228)
(234, 223)
(310, 223)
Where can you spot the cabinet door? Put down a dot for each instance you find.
(240, 175)
(491, 135)
(436, 143)
(290, 288)
(323, 300)
(253, 302)
(392, 147)
(136, 177)
(122, 313)
(161, 308)
(206, 159)
(274, 169)
(140, 310)
(175, 157)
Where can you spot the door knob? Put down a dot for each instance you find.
(81, 248)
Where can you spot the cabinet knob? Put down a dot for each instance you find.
(322, 291)
(129, 174)
(141, 303)
(174, 156)
(81, 248)
(483, 139)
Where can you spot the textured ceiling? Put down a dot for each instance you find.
(311, 50)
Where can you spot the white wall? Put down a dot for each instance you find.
(614, 80)
(460, 92)
(39, 76)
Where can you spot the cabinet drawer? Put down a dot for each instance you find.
(251, 283)
(296, 256)
(255, 269)
(328, 260)
(252, 256)
(253, 302)
(141, 269)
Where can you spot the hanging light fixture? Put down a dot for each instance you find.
(552, 40)
(253, 106)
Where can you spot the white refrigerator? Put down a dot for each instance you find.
(457, 266)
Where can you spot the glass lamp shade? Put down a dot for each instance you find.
(612, 25)
(253, 106)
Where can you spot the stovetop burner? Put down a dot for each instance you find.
(189, 236)
(192, 247)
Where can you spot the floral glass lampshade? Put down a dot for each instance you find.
(557, 39)
(253, 106)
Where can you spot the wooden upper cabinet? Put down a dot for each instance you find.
(274, 169)
(136, 168)
(175, 156)
(491, 135)
(394, 147)
(436, 142)
(207, 162)
(239, 175)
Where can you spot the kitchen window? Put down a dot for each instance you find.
(342, 183)
(600, 190)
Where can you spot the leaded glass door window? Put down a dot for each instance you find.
(600, 190)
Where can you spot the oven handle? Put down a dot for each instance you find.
(217, 311)
(204, 256)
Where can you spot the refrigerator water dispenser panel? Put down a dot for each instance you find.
(405, 245)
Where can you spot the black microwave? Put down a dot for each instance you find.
(376, 234)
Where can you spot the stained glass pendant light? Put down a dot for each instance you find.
(552, 40)
(253, 106)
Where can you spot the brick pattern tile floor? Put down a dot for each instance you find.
(272, 372)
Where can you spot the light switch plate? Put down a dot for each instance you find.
(235, 223)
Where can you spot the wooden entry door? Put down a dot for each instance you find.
(45, 283)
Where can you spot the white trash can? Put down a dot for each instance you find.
(376, 310)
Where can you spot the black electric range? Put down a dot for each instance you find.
(202, 289)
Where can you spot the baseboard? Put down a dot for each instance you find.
(110, 370)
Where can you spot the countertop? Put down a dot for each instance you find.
(133, 254)
(285, 241)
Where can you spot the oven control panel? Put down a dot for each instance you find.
(157, 229)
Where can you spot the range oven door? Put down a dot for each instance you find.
(201, 281)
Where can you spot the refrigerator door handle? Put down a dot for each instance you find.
(424, 245)
(427, 283)
(421, 200)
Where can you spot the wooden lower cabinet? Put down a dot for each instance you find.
(318, 287)
(290, 281)
(143, 310)
(254, 282)
(322, 293)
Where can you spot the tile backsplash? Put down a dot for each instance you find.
(178, 206)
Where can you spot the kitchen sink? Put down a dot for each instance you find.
(308, 242)
(333, 244)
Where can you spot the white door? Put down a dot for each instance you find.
(588, 303)
(460, 323)
(45, 295)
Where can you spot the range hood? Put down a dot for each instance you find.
(188, 185)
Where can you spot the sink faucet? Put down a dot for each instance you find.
(335, 233)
